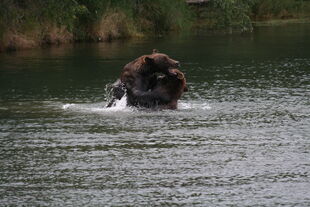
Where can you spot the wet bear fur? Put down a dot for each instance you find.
(171, 86)
(137, 79)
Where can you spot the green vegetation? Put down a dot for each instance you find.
(239, 14)
(225, 14)
(32, 23)
(29, 23)
(280, 9)
(111, 19)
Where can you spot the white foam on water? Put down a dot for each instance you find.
(193, 105)
(66, 106)
(120, 106)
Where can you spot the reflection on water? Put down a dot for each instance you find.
(240, 136)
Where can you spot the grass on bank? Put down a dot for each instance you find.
(239, 15)
(29, 23)
(33, 23)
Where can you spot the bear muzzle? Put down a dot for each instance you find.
(177, 64)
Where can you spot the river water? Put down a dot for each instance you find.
(239, 138)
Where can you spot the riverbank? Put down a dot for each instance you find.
(281, 22)
(35, 23)
(38, 23)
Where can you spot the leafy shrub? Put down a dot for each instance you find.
(267, 9)
(162, 15)
(230, 14)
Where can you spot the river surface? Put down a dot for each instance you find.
(241, 135)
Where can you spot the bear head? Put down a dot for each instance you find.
(160, 62)
(174, 83)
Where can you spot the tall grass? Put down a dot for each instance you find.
(28, 23)
(227, 14)
(239, 14)
(55, 21)
(140, 16)
(18, 14)
(162, 15)
(37, 22)
(269, 9)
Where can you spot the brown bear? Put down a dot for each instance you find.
(136, 78)
(171, 86)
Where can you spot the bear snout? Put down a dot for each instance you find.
(177, 64)
(173, 63)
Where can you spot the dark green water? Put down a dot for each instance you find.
(239, 138)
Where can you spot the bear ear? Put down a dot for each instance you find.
(147, 60)
(155, 51)
(180, 76)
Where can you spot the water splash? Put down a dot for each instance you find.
(67, 106)
(120, 105)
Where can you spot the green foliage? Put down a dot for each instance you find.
(267, 9)
(22, 14)
(150, 15)
(238, 14)
(95, 9)
(83, 17)
(62, 12)
(162, 15)
(233, 13)
(227, 14)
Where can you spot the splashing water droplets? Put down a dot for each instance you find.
(119, 105)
